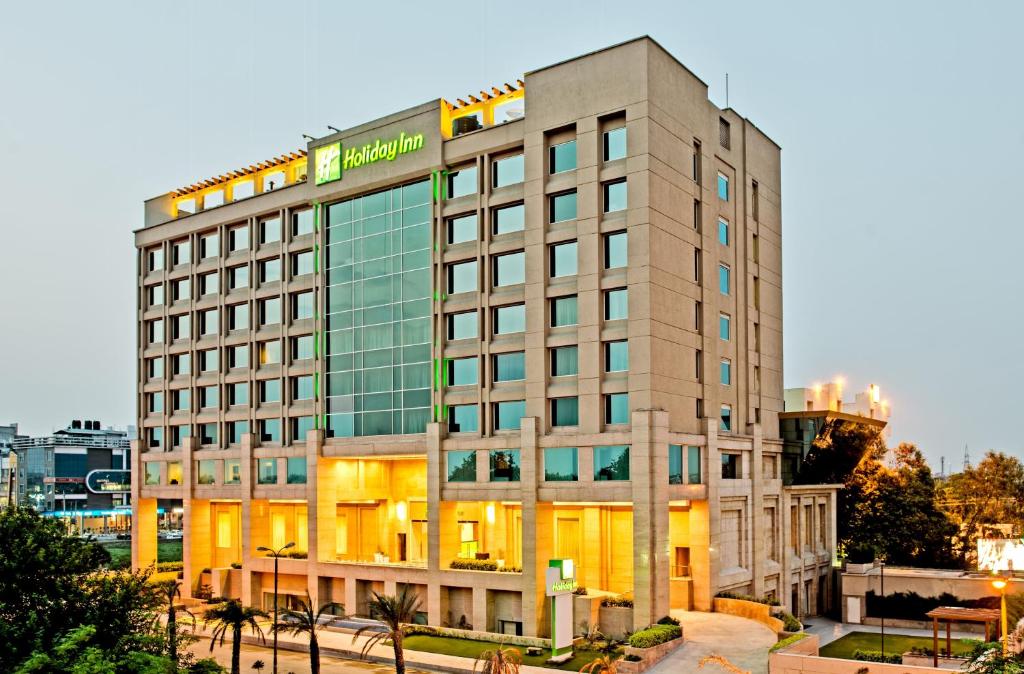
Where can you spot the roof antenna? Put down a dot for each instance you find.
(727, 90)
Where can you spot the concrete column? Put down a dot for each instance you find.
(480, 608)
(757, 510)
(706, 561)
(249, 589)
(534, 556)
(648, 468)
(785, 577)
(435, 432)
(144, 517)
(314, 440)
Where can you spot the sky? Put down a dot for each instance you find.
(900, 124)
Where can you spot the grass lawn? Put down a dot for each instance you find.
(468, 648)
(121, 553)
(894, 644)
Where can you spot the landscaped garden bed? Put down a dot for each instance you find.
(469, 648)
(895, 645)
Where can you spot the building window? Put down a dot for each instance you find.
(504, 465)
(209, 246)
(238, 393)
(699, 408)
(508, 415)
(508, 171)
(698, 365)
(155, 331)
(302, 222)
(296, 470)
(462, 371)
(270, 230)
(303, 263)
(238, 317)
(174, 472)
(270, 270)
(266, 471)
(156, 403)
(155, 438)
(562, 157)
(181, 400)
(155, 368)
(724, 326)
(696, 161)
(616, 356)
(615, 250)
(726, 418)
(565, 411)
(462, 182)
(509, 269)
(723, 279)
(724, 137)
(723, 187)
(180, 290)
(236, 429)
(155, 295)
(269, 352)
(694, 474)
(565, 361)
(270, 390)
(238, 277)
(238, 239)
(564, 311)
(615, 144)
(723, 231)
(208, 360)
(562, 207)
(725, 371)
(300, 428)
(152, 472)
(270, 430)
(563, 259)
(461, 465)
(462, 277)
(302, 305)
(180, 327)
(180, 364)
(730, 466)
(302, 388)
(616, 408)
(611, 463)
(270, 311)
(616, 304)
(697, 264)
(462, 325)
(462, 229)
(208, 397)
(509, 366)
(208, 284)
(232, 471)
(615, 196)
(754, 199)
(302, 347)
(463, 419)
(205, 471)
(755, 248)
(757, 292)
(509, 219)
(238, 356)
(561, 464)
(510, 319)
(155, 259)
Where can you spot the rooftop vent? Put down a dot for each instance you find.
(75, 423)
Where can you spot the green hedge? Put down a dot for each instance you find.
(474, 564)
(617, 602)
(912, 606)
(170, 566)
(770, 601)
(789, 621)
(788, 641)
(877, 656)
(654, 635)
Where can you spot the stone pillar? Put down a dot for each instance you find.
(314, 440)
(705, 581)
(144, 517)
(480, 609)
(648, 470)
(434, 468)
(757, 511)
(250, 590)
(537, 527)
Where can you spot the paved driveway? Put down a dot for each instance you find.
(744, 642)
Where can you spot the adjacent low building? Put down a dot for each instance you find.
(446, 346)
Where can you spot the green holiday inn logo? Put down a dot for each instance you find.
(330, 162)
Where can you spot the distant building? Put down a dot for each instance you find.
(8, 463)
(78, 473)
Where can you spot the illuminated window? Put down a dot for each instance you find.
(223, 529)
(174, 472)
(152, 472)
(278, 531)
(270, 352)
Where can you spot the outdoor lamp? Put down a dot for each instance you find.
(400, 511)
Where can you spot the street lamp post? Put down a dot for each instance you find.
(276, 554)
(1001, 585)
(881, 567)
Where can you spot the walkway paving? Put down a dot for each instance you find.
(743, 642)
(830, 630)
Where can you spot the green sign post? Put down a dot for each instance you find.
(560, 581)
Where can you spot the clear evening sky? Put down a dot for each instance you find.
(900, 123)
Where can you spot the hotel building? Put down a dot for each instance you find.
(446, 346)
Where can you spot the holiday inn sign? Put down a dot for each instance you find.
(330, 160)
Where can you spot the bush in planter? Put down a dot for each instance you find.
(170, 566)
(511, 569)
(236, 565)
(297, 554)
(788, 641)
(474, 564)
(668, 620)
(769, 601)
(789, 621)
(654, 635)
(617, 602)
(580, 590)
(877, 656)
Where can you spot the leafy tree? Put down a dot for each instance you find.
(169, 591)
(232, 617)
(981, 497)
(499, 660)
(77, 653)
(397, 613)
(305, 620)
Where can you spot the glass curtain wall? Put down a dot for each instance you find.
(378, 313)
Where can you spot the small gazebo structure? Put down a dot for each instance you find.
(958, 614)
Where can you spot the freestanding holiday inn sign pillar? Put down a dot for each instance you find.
(560, 581)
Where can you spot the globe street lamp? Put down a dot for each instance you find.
(276, 554)
(1001, 584)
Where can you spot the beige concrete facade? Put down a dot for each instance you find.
(371, 512)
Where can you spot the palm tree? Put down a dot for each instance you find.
(499, 660)
(307, 621)
(397, 613)
(169, 591)
(605, 664)
(231, 615)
